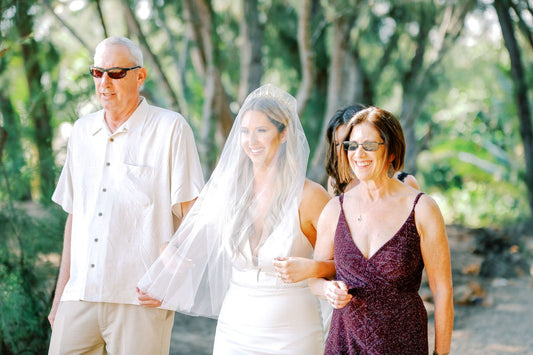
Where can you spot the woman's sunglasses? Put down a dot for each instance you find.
(367, 146)
(113, 73)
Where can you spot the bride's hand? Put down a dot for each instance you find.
(293, 269)
(337, 294)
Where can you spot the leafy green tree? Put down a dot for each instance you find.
(13, 163)
(37, 57)
(25, 278)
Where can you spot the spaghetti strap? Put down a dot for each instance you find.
(341, 200)
(417, 198)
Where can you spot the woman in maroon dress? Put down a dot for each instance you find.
(381, 234)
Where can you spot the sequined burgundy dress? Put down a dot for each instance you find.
(386, 315)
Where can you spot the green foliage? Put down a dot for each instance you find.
(467, 125)
(473, 165)
(27, 277)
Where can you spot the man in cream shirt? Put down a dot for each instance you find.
(131, 173)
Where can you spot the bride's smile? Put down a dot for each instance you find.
(260, 138)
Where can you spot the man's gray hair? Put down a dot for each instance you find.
(135, 51)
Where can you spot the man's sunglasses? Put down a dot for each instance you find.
(113, 73)
(367, 146)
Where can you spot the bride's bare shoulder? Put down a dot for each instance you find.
(314, 197)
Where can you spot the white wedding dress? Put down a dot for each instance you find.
(207, 268)
(263, 315)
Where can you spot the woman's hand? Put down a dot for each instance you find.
(294, 269)
(147, 301)
(337, 294)
(163, 247)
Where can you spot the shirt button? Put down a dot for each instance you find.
(108, 163)
(95, 240)
(92, 265)
(100, 214)
(111, 139)
(104, 189)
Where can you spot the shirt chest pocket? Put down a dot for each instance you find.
(137, 185)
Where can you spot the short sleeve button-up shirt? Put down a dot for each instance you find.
(120, 189)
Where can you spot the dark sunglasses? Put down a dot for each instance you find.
(367, 146)
(113, 73)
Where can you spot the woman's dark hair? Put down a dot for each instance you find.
(341, 117)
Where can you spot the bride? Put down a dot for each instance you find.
(243, 253)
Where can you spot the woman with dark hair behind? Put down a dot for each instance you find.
(335, 135)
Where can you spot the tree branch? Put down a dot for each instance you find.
(70, 29)
(522, 24)
(180, 61)
(134, 26)
(101, 16)
(216, 105)
(251, 34)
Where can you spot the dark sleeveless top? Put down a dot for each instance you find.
(402, 175)
(386, 315)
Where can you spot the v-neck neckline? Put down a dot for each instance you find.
(394, 236)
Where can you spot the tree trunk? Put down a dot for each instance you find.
(198, 18)
(411, 109)
(179, 59)
(252, 40)
(14, 150)
(522, 24)
(521, 91)
(356, 91)
(39, 110)
(307, 62)
(216, 104)
(134, 27)
(416, 82)
(336, 84)
(413, 93)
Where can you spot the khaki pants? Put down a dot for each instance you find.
(108, 328)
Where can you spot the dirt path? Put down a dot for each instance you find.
(504, 328)
(192, 335)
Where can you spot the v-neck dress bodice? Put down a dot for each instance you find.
(386, 314)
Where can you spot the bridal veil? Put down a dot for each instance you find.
(192, 274)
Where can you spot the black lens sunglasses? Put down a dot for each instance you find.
(367, 146)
